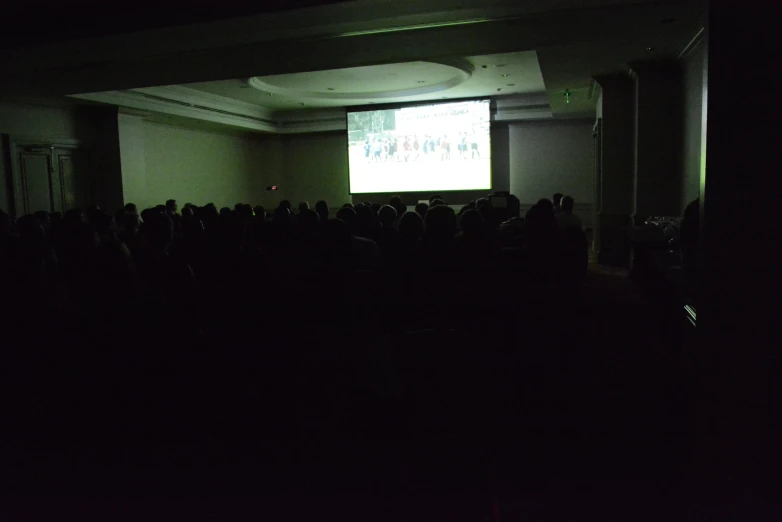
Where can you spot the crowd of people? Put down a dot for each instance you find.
(245, 324)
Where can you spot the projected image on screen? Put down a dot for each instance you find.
(422, 148)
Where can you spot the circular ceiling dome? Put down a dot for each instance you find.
(374, 82)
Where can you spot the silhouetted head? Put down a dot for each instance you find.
(437, 202)
(282, 215)
(387, 215)
(225, 211)
(472, 224)
(308, 220)
(348, 216)
(434, 197)
(347, 205)
(259, 211)
(421, 209)
(376, 207)
(30, 229)
(171, 206)
(398, 204)
(567, 204)
(159, 231)
(161, 209)
(148, 214)
(337, 232)
(286, 204)
(411, 226)
(514, 206)
(365, 219)
(303, 206)
(131, 207)
(545, 204)
(130, 223)
(187, 212)
(440, 223)
(557, 199)
(322, 208)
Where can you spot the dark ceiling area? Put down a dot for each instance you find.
(31, 24)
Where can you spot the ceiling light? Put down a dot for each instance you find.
(511, 84)
(650, 48)
(421, 81)
(501, 65)
(505, 75)
(269, 94)
(498, 90)
(484, 66)
(331, 88)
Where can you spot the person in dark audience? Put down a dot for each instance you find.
(131, 207)
(557, 201)
(259, 211)
(376, 207)
(322, 208)
(385, 234)
(348, 216)
(366, 221)
(398, 205)
(171, 207)
(303, 206)
(421, 209)
(565, 217)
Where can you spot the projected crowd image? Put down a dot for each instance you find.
(433, 147)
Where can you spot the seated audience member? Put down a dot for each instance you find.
(557, 200)
(348, 216)
(566, 218)
(421, 209)
(303, 206)
(259, 212)
(322, 208)
(398, 205)
(376, 207)
(386, 234)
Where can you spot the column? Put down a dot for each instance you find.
(615, 169)
(657, 138)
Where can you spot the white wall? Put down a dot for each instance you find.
(693, 109)
(551, 156)
(163, 161)
(315, 166)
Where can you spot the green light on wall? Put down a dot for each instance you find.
(567, 96)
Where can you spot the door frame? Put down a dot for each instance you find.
(17, 144)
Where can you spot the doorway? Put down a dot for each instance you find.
(48, 175)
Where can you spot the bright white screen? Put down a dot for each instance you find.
(423, 148)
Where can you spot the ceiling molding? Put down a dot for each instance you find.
(463, 71)
(217, 109)
(153, 103)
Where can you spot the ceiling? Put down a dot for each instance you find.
(367, 51)
(473, 76)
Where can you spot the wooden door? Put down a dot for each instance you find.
(73, 181)
(49, 177)
(35, 187)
